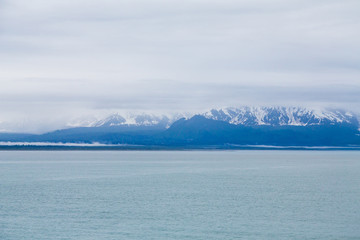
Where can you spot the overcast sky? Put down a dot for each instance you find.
(62, 60)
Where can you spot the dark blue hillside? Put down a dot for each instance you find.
(198, 130)
(110, 135)
(202, 131)
(15, 137)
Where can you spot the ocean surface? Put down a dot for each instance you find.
(179, 195)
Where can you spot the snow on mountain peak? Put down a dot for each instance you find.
(112, 120)
(142, 119)
(246, 115)
(280, 116)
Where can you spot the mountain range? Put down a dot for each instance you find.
(243, 126)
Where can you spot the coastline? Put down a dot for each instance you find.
(89, 147)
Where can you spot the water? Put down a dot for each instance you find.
(180, 195)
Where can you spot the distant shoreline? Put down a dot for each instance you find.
(30, 147)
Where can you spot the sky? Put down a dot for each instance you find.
(64, 60)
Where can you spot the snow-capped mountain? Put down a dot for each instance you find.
(247, 116)
(136, 120)
(281, 116)
(276, 126)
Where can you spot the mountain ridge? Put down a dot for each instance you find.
(249, 116)
(281, 116)
(220, 127)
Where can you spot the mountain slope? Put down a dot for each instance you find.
(203, 131)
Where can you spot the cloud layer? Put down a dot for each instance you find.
(61, 59)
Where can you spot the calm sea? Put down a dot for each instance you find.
(180, 195)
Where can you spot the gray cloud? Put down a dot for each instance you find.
(84, 57)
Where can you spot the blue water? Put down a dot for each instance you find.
(180, 195)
